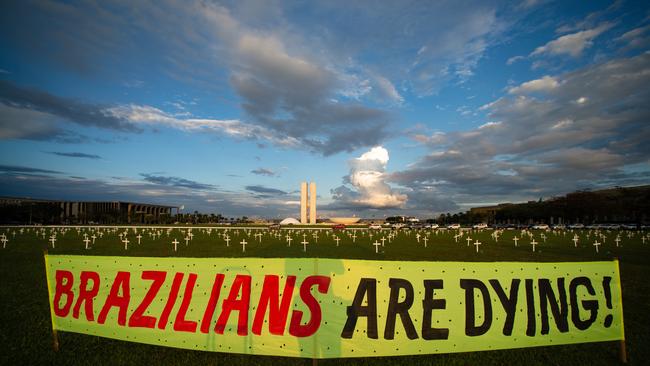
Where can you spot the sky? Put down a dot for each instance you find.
(392, 108)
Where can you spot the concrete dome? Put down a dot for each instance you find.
(345, 220)
(289, 221)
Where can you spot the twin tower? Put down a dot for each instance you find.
(307, 197)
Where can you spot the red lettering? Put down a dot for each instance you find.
(121, 282)
(295, 328)
(269, 298)
(86, 295)
(212, 303)
(181, 324)
(171, 300)
(138, 319)
(242, 283)
(63, 289)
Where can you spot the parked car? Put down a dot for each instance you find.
(576, 226)
(398, 225)
(431, 226)
(374, 227)
(338, 227)
(274, 227)
(540, 227)
(480, 226)
(453, 226)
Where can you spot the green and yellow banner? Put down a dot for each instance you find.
(328, 308)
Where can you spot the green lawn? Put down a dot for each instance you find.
(25, 328)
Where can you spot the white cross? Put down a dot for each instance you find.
(515, 239)
(477, 243)
(52, 240)
(376, 244)
(618, 240)
(316, 236)
(4, 242)
(354, 237)
(469, 240)
(289, 239)
(533, 243)
(86, 241)
(337, 240)
(417, 237)
(259, 237)
(383, 240)
(544, 237)
(175, 242)
(426, 239)
(304, 245)
(187, 239)
(243, 245)
(93, 237)
(596, 244)
(126, 243)
(227, 239)
(575, 240)
(139, 237)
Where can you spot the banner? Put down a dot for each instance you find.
(328, 308)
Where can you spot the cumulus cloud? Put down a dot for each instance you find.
(367, 177)
(583, 129)
(572, 44)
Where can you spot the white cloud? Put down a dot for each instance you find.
(367, 176)
(572, 44)
(151, 116)
(514, 59)
(545, 84)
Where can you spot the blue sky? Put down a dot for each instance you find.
(391, 107)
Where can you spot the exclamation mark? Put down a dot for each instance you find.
(608, 300)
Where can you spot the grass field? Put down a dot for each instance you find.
(25, 328)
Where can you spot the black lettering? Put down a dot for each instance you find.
(399, 308)
(560, 311)
(530, 308)
(589, 305)
(367, 288)
(509, 303)
(428, 305)
(471, 329)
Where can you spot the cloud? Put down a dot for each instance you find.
(82, 113)
(43, 116)
(572, 44)
(265, 191)
(545, 84)
(24, 169)
(367, 175)
(582, 129)
(514, 59)
(264, 171)
(635, 38)
(176, 182)
(74, 155)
